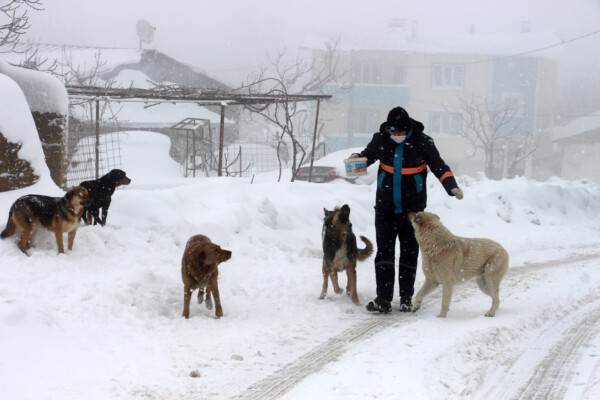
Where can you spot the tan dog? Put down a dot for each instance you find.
(200, 270)
(55, 214)
(449, 260)
(340, 251)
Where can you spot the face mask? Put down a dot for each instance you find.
(397, 139)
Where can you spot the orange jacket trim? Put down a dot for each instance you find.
(446, 175)
(405, 171)
(386, 167)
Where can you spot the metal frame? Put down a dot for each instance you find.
(202, 97)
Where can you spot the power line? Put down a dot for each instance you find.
(563, 42)
(539, 49)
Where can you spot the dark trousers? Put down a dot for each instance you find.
(388, 227)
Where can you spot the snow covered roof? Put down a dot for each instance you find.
(435, 43)
(584, 128)
(111, 61)
(84, 57)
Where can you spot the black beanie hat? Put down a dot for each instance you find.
(399, 118)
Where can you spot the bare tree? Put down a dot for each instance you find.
(17, 22)
(495, 127)
(300, 76)
(32, 60)
(232, 162)
(84, 75)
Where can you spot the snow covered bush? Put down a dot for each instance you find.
(48, 101)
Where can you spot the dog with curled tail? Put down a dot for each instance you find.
(340, 252)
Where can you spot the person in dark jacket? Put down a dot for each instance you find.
(405, 153)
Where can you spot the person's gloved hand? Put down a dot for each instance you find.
(457, 192)
(355, 155)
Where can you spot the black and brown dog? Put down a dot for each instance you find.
(340, 251)
(200, 270)
(101, 191)
(55, 214)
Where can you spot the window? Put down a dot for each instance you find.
(365, 121)
(366, 72)
(448, 75)
(444, 123)
(399, 77)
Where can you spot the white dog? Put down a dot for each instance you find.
(449, 260)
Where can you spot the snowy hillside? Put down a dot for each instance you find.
(104, 321)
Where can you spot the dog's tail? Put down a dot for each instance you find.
(10, 227)
(363, 254)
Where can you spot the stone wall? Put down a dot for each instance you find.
(16, 173)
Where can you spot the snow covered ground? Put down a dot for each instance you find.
(104, 320)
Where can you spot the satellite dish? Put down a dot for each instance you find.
(145, 31)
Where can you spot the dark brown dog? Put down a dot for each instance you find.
(200, 270)
(55, 214)
(340, 251)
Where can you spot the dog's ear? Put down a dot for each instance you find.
(69, 195)
(201, 257)
(437, 216)
(328, 214)
(417, 218)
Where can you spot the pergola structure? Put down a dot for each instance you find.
(201, 97)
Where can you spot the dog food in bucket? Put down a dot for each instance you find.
(356, 166)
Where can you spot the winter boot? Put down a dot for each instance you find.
(405, 304)
(379, 304)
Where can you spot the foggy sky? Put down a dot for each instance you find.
(229, 38)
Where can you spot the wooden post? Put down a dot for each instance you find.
(97, 139)
(221, 140)
(312, 153)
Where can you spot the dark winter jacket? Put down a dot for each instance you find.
(406, 190)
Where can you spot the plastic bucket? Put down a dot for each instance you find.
(356, 166)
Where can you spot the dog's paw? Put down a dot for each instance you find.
(322, 296)
(415, 308)
(489, 314)
(339, 291)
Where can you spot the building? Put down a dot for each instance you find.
(432, 76)
(575, 152)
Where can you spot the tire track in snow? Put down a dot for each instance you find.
(282, 381)
(552, 376)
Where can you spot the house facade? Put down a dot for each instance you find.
(432, 82)
(574, 152)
